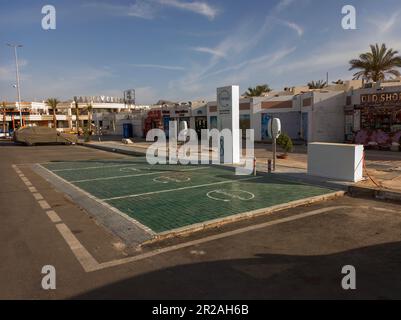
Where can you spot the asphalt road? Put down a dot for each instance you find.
(297, 253)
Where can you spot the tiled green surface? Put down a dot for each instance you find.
(161, 207)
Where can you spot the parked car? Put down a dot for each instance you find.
(42, 135)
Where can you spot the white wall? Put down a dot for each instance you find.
(328, 119)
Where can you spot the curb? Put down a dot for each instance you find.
(114, 150)
(380, 194)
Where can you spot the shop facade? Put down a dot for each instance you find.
(373, 117)
(309, 116)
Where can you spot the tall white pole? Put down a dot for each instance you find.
(18, 84)
(18, 80)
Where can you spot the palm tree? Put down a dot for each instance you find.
(258, 91)
(89, 107)
(339, 81)
(53, 102)
(76, 115)
(376, 64)
(320, 84)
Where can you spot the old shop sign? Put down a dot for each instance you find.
(381, 98)
(99, 99)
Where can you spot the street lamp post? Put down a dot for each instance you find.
(15, 46)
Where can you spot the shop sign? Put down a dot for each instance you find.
(99, 99)
(381, 98)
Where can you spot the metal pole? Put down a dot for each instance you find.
(15, 46)
(274, 152)
(18, 85)
(274, 145)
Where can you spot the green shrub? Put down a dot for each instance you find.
(285, 142)
(87, 136)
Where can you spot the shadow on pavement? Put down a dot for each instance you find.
(268, 276)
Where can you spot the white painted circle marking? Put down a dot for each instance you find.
(230, 195)
(167, 179)
(129, 169)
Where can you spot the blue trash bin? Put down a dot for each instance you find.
(128, 131)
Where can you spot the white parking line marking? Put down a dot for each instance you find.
(32, 189)
(83, 256)
(54, 217)
(86, 260)
(179, 189)
(131, 175)
(37, 196)
(93, 168)
(44, 205)
(117, 177)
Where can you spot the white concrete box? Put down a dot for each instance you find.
(337, 161)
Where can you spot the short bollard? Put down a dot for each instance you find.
(269, 166)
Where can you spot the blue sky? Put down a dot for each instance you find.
(183, 49)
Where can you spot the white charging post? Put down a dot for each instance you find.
(274, 130)
(228, 108)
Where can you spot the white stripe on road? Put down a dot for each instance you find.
(44, 205)
(135, 175)
(179, 189)
(54, 217)
(98, 167)
(32, 189)
(37, 196)
(118, 177)
(83, 256)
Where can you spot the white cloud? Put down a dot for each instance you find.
(140, 9)
(386, 24)
(7, 72)
(260, 63)
(292, 25)
(201, 8)
(282, 5)
(158, 66)
(213, 52)
(239, 43)
(148, 9)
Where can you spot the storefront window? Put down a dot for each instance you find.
(387, 119)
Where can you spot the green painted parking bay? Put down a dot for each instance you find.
(169, 197)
